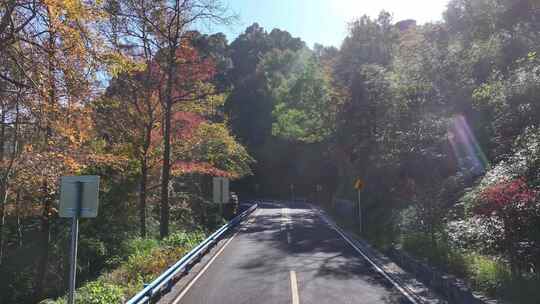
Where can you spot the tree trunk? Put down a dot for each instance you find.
(147, 140)
(165, 175)
(3, 198)
(15, 146)
(43, 242)
(2, 222)
(166, 169)
(18, 219)
(142, 196)
(510, 246)
(45, 229)
(3, 184)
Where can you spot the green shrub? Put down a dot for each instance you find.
(484, 273)
(487, 274)
(141, 261)
(415, 244)
(187, 240)
(438, 253)
(457, 263)
(92, 256)
(139, 245)
(421, 245)
(137, 263)
(96, 292)
(131, 247)
(149, 258)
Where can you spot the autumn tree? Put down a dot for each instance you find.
(168, 23)
(128, 116)
(50, 48)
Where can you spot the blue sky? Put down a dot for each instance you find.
(323, 21)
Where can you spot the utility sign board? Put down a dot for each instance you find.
(69, 195)
(221, 190)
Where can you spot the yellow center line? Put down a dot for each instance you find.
(294, 288)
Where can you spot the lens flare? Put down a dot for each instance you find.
(468, 153)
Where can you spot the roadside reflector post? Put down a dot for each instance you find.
(359, 185)
(360, 211)
(319, 198)
(221, 194)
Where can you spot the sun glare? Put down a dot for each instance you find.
(420, 10)
(467, 151)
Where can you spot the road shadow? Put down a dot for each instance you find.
(313, 248)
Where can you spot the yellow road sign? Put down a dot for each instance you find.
(359, 184)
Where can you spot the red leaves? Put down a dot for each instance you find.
(183, 126)
(192, 71)
(192, 66)
(514, 194)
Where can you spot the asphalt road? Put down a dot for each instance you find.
(285, 253)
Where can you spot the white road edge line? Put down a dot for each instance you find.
(286, 223)
(379, 269)
(283, 225)
(192, 282)
(294, 288)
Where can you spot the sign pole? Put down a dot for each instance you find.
(79, 197)
(319, 195)
(222, 198)
(74, 241)
(359, 185)
(359, 211)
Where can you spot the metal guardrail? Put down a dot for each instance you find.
(171, 275)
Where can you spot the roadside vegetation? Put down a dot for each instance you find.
(441, 121)
(121, 89)
(140, 261)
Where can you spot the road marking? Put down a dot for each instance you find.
(377, 268)
(286, 224)
(252, 219)
(294, 288)
(283, 219)
(186, 289)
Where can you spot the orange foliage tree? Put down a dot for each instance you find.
(52, 59)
